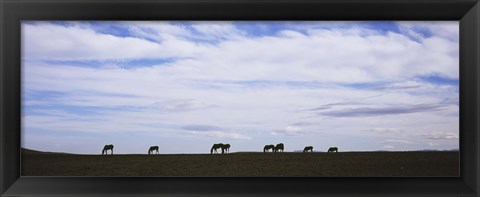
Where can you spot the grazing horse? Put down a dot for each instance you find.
(268, 147)
(226, 148)
(278, 147)
(106, 148)
(153, 149)
(308, 148)
(332, 149)
(215, 147)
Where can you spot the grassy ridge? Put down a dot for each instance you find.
(244, 164)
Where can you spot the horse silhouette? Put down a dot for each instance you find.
(278, 147)
(215, 147)
(153, 149)
(332, 149)
(308, 148)
(106, 148)
(268, 147)
(226, 148)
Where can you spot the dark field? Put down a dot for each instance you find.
(244, 164)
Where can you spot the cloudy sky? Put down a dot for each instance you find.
(360, 86)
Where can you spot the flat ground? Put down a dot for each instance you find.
(363, 164)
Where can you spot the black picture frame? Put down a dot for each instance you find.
(13, 11)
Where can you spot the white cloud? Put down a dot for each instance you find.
(289, 130)
(216, 31)
(322, 55)
(44, 41)
(389, 147)
(395, 141)
(440, 136)
(436, 28)
(386, 130)
(55, 42)
(220, 134)
(182, 105)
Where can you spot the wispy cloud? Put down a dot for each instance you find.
(382, 111)
(201, 128)
(440, 136)
(388, 147)
(182, 105)
(213, 131)
(289, 131)
(221, 135)
(386, 130)
(394, 141)
(400, 86)
(330, 105)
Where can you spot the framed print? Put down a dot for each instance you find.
(239, 98)
(283, 98)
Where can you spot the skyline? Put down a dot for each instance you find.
(360, 86)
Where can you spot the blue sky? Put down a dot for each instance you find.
(185, 85)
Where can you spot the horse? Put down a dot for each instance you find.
(308, 148)
(278, 147)
(268, 147)
(152, 149)
(106, 148)
(332, 149)
(226, 148)
(215, 147)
